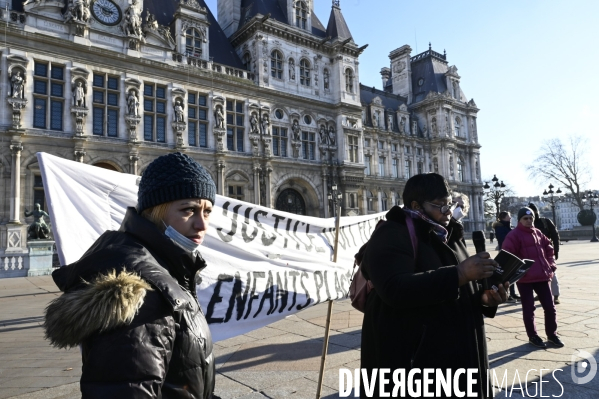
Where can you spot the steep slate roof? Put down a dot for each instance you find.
(337, 27)
(390, 101)
(431, 66)
(220, 48)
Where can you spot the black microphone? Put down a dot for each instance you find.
(478, 239)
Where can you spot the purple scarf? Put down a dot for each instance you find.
(439, 230)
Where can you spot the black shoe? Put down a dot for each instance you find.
(515, 296)
(556, 341)
(537, 341)
(556, 299)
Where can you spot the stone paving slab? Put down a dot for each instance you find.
(282, 360)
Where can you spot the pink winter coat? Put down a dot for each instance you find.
(531, 243)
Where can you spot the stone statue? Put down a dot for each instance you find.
(402, 125)
(254, 124)
(151, 22)
(332, 140)
(132, 21)
(132, 104)
(179, 115)
(296, 131)
(17, 84)
(78, 10)
(323, 135)
(326, 79)
(79, 95)
(38, 230)
(434, 126)
(220, 118)
(375, 119)
(291, 69)
(390, 122)
(265, 124)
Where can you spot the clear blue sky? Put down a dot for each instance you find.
(531, 66)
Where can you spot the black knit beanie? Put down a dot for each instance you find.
(174, 177)
(525, 211)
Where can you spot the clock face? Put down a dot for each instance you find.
(106, 12)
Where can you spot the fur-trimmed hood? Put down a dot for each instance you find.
(107, 302)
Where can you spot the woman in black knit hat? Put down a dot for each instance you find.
(130, 302)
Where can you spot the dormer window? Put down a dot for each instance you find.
(305, 72)
(193, 43)
(349, 80)
(276, 64)
(301, 15)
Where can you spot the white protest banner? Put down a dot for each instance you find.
(263, 264)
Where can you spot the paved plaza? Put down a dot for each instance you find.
(282, 360)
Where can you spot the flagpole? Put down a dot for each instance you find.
(335, 197)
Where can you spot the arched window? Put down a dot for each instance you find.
(247, 62)
(301, 14)
(458, 123)
(305, 72)
(460, 169)
(349, 80)
(193, 43)
(276, 64)
(369, 200)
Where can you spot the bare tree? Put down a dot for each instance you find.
(565, 164)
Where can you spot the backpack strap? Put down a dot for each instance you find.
(413, 238)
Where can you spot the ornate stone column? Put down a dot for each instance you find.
(133, 161)
(79, 154)
(325, 192)
(257, 169)
(220, 176)
(15, 182)
(268, 184)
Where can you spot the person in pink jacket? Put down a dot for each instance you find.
(527, 242)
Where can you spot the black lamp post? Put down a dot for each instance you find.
(335, 197)
(593, 200)
(549, 197)
(495, 193)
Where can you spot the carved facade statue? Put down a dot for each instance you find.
(265, 124)
(291, 69)
(390, 121)
(254, 124)
(434, 126)
(151, 22)
(179, 111)
(220, 117)
(326, 79)
(38, 230)
(296, 131)
(375, 119)
(322, 134)
(79, 95)
(402, 125)
(332, 136)
(17, 85)
(132, 104)
(78, 11)
(132, 21)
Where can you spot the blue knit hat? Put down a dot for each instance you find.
(174, 177)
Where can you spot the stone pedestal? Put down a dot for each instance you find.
(40, 257)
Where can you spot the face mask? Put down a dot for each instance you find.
(457, 213)
(181, 240)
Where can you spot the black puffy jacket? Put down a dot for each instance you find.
(130, 303)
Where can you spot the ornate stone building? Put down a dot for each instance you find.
(268, 99)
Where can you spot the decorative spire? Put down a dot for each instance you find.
(429, 46)
(335, 3)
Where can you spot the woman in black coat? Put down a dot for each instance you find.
(130, 302)
(426, 311)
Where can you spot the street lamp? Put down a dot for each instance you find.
(593, 200)
(551, 199)
(335, 197)
(495, 193)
